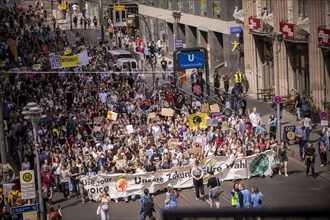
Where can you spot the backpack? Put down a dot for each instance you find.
(54, 215)
(148, 205)
(14, 197)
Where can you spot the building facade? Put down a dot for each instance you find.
(203, 23)
(303, 56)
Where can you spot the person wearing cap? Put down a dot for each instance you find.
(171, 197)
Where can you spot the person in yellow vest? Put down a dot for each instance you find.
(238, 77)
(15, 198)
(234, 195)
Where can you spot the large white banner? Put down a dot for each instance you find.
(58, 62)
(121, 185)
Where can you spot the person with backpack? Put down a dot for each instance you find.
(14, 198)
(147, 207)
(197, 173)
(214, 185)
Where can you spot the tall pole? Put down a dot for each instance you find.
(2, 136)
(101, 20)
(41, 200)
(277, 89)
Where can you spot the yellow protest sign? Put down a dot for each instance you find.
(69, 61)
(197, 120)
(63, 5)
(36, 67)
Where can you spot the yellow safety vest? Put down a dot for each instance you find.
(234, 199)
(238, 78)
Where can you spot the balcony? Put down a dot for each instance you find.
(259, 27)
(323, 39)
(293, 33)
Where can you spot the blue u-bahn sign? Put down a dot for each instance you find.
(191, 60)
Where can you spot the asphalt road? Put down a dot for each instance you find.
(297, 190)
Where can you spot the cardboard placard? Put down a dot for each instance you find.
(152, 115)
(214, 108)
(97, 128)
(152, 140)
(167, 112)
(174, 143)
(199, 139)
(98, 120)
(195, 150)
(205, 108)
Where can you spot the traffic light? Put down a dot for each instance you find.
(123, 16)
(21, 22)
(11, 22)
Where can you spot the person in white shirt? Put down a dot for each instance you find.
(196, 105)
(103, 97)
(254, 118)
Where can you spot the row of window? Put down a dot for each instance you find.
(303, 6)
(201, 8)
(197, 7)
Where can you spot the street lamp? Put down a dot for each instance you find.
(33, 113)
(277, 39)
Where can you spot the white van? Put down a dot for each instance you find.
(118, 54)
(126, 64)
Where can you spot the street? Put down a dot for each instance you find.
(296, 190)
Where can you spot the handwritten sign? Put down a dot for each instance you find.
(205, 108)
(215, 108)
(98, 120)
(167, 112)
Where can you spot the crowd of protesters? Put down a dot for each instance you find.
(73, 142)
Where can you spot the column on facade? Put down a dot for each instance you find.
(316, 12)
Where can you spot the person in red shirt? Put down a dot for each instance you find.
(170, 97)
(47, 176)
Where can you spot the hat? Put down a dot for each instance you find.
(169, 185)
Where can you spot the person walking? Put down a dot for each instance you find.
(225, 80)
(244, 197)
(197, 173)
(104, 207)
(64, 180)
(272, 122)
(234, 195)
(298, 104)
(163, 63)
(256, 197)
(216, 81)
(309, 156)
(283, 159)
(171, 197)
(213, 183)
(147, 206)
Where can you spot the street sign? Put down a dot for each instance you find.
(119, 7)
(178, 43)
(323, 116)
(191, 60)
(235, 30)
(26, 176)
(277, 99)
(7, 189)
(23, 209)
(28, 189)
(324, 122)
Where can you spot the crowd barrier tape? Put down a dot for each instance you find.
(121, 185)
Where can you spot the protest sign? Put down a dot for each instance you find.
(120, 185)
(212, 122)
(112, 115)
(167, 112)
(130, 129)
(120, 163)
(58, 62)
(205, 108)
(36, 67)
(174, 144)
(197, 120)
(214, 108)
(98, 120)
(151, 115)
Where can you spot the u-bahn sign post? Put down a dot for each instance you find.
(192, 58)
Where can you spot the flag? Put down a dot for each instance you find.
(197, 120)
